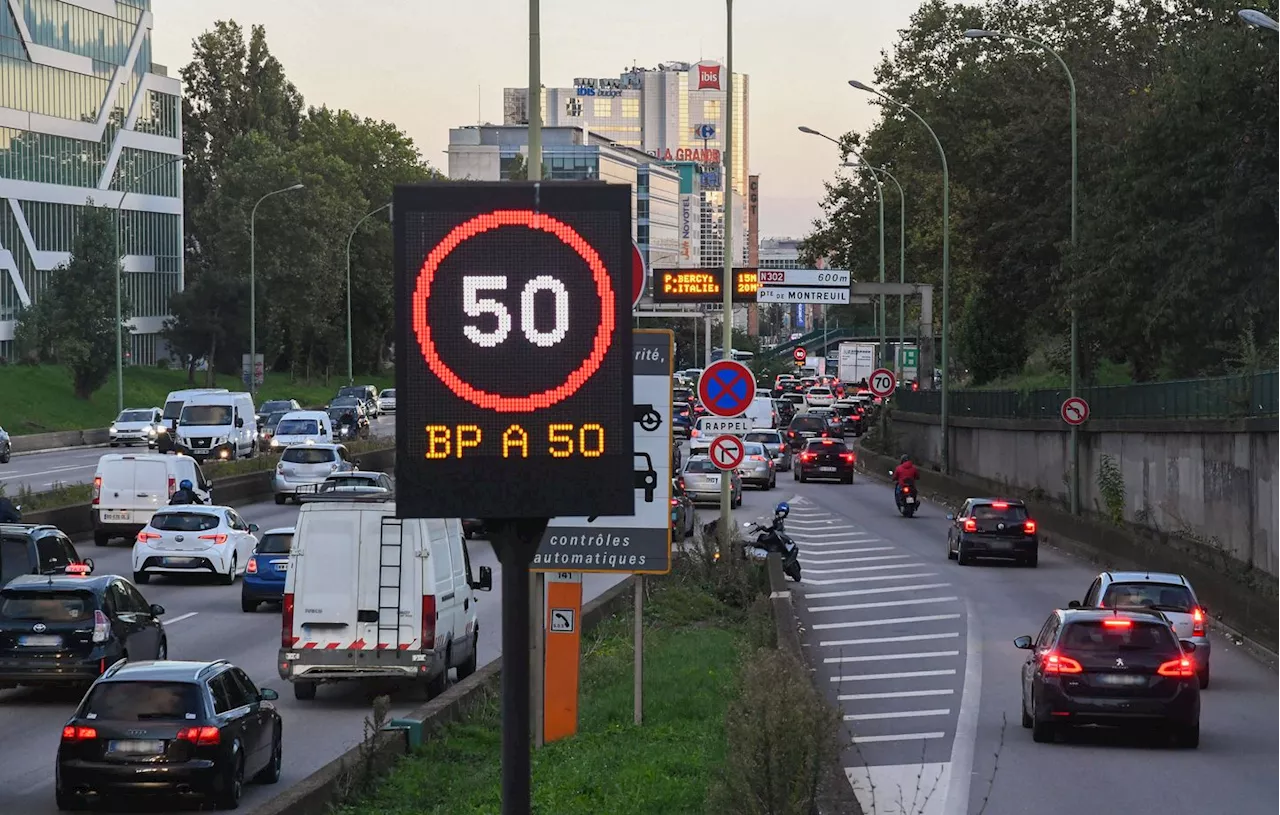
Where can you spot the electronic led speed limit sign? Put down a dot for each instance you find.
(513, 350)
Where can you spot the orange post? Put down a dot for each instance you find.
(563, 655)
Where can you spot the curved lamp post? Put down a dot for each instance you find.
(253, 287)
(350, 374)
(977, 33)
(1257, 19)
(946, 272)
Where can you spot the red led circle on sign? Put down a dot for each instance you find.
(532, 220)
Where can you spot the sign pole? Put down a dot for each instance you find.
(726, 487)
(533, 169)
(639, 648)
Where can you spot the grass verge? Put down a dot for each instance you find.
(38, 398)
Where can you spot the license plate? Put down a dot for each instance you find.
(1122, 679)
(115, 516)
(40, 640)
(826, 469)
(177, 561)
(282, 567)
(909, 500)
(136, 747)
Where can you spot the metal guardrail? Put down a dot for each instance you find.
(1224, 397)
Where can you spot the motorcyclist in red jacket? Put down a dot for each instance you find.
(905, 471)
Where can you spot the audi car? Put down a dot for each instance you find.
(995, 528)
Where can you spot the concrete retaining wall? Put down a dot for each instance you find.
(37, 442)
(1212, 483)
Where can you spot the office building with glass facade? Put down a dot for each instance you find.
(675, 113)
(489, 152)
(85, 119)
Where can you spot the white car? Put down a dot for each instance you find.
(136, 426)
(387, 401)
(819, 397)
(194, 539)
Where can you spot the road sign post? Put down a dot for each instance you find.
(726, 388)
(727, 452)
(882, 383)
(1074, 411)
(799, 354)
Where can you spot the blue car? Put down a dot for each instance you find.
(266, 570)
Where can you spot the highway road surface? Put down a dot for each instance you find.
(917, 652)
(42, 471)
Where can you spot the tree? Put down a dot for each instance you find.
(75, 323)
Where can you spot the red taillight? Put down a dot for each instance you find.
(970, 525)
(201, 736)
(428, 621)
(76, 733)
(217, 539)
(77, 568)
(1058, 664)
(675, 502)
(252, 566)
(848, 457)
(1029, 527)
(827, 442)
(286, 622)
(757, 458)
(906, 488)
(808, 456)
(1000, 505)
(144, 536)
(1117, 622)
(1182, 668)
(1197, 622)
(101, 627)
(97, 489)
(173, 486)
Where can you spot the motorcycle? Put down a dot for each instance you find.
(907, 497)
(772, 538)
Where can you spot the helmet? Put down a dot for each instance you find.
(905, 458)
(186, 484)
(782, 510)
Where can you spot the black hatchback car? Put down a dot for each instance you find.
(169, 729)
(35, 549)
(825, 458)
(993, 528)
(1108, 667)
(803, 427)
(67, 629)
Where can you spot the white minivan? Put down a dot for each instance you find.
(174, 402)
(761, 412)
(302, 427)
(218, 426)
(128, 489)
(371, 596)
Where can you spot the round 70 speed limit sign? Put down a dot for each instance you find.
(882, 382)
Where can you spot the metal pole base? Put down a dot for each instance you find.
(515, 540)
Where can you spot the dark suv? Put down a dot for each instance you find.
(34, 549)
(67, 629)
(993, 528)
(171, 729)
(805, 426)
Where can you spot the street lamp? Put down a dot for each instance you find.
(902, 261)
(120, 273)
(977, 33)
(253, 287)
(946, 271)
(350, 375)
(1257, 19)
(880, 199)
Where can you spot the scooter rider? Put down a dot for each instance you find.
(904, 472)
(185, 494)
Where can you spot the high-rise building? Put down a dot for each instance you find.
(85, 119)
(676, 113)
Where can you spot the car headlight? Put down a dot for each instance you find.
(275, 442)
(112, 430)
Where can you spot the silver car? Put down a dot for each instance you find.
(757, 467)
(779, 451)
(702, 482)
(136, 426)
(303, 465)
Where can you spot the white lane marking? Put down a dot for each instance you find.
(894, 621)
(898, 737)
(816, 547)
(837, 534)
(827, 552)
(840, 580)
(891, 657)
(919, 601)
(852, 560)
(821, 524)
(179, 618)
(910, 784)
(962, 746)
(875, 577)
(898, 714)
(26, 476)
(897, 694)
(876, 640)
(898, 675)
(881, 590)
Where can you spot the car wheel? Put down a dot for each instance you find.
(469, 667)
(1042, 732)
(270, 774)
(1026, 717)
(113, 444)
(162, 652)
(6, 455)
(962, 557)
(439, 683)
(304, 691)
(1031, 560)
(1188, 736)
(233, 787)
(141, 578)
(280, 499)
(848, 479)
(951, 555)
(100, 537)
(248, 605)
(1204, 678)
(800, 476)
(795, 474)
(230, 577)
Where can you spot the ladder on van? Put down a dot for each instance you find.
(390, 568)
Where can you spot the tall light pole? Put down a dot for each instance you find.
(1257, 19)
(977, 33)
(351, 379)
(902, 261)
(946, 273)
(726, 339)
(253, 287)
(880, 199)
(129, 181)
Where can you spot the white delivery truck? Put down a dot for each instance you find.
(369, 596)
(128, 488)
(857, 361)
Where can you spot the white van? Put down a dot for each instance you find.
(218, 425)
(174, 402)
(410, 612)
(302, 427)
(761, 412)
(129, 488)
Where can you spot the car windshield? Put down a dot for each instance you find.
(333, 482)
(345, 402)
(753, 449)
(703, 465)
(123, 700)
(808, 424)
(336, 413)
(826, 446)
(47, 606)
(298, 427)
(1159, 596)
(999, 512)
(1139, 635)
(355, 392)
(819, 391)
(205, 415)
(135, 416)
(763, 438)
(184, 521)
(308, 455)
(389, 393)
(275, 405)
(793, 398)
(275, 543)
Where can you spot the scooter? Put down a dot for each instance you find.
(771, 538)
(907, 497)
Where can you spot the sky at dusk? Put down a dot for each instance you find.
(429, 65)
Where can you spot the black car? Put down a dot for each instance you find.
(1108, 667)
(993, 528)
(169, 729)
(825, 458)
(683, 516)
(267, 429)
(853, 417)
(786, 411)
(804, 427)
(35, 549)
(67, 629)
(367, 394)
(275, 406)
